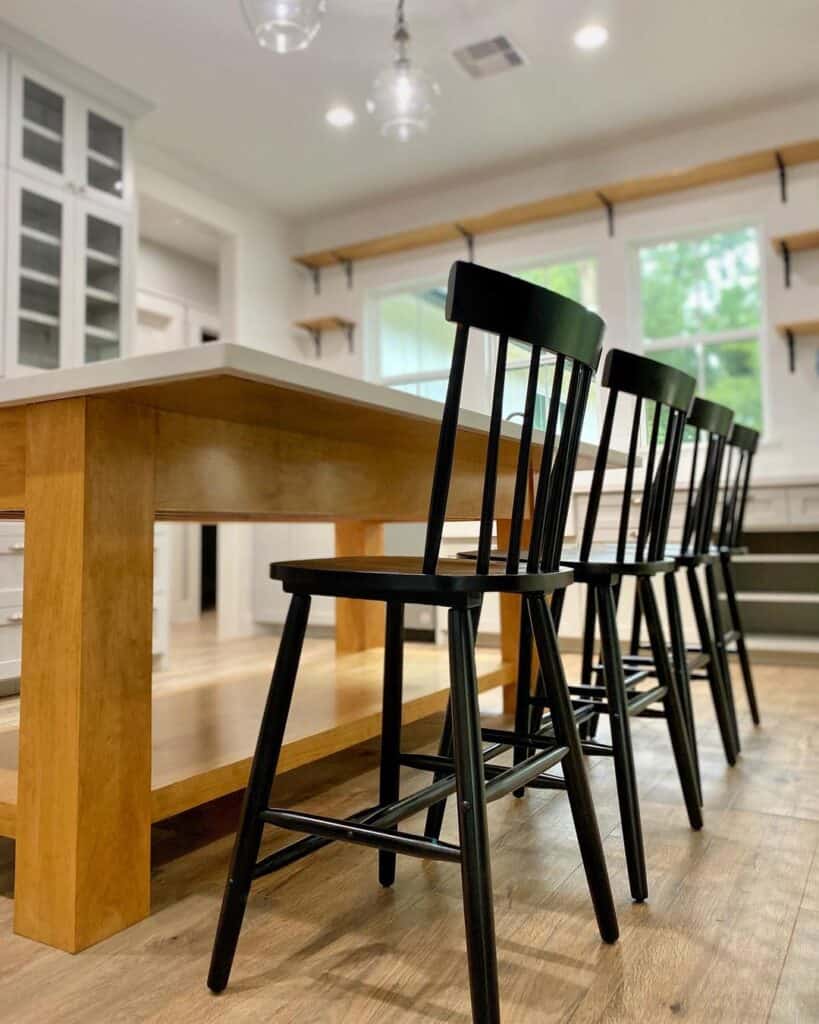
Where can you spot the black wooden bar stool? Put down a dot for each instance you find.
(510, 308)
(665, 394)
(742, 445)
(710, 425)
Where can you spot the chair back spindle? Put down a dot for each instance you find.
(741, 447)
(664, 394)
(551, 325)
(711, 424)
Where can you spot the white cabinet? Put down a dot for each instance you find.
(165, 322)
(160, 323)
(103, 305)
(68, 274)
(12, 548)
(39, 263)
(202, 326)
(4, 108)
(68, 140)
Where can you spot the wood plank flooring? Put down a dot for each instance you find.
(730, 932)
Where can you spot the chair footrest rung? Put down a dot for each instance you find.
(364, 835)
(510, 779)
(501, 779)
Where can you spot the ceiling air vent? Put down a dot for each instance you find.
(489, 57)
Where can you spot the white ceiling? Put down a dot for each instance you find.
(257, 120)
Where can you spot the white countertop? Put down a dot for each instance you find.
(227, 359)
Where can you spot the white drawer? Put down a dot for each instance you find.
(766, 507)
(803, 506)
(11, 640)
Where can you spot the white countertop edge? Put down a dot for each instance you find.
(241, 361)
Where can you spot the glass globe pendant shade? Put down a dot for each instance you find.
(284, 25)
(402, 100)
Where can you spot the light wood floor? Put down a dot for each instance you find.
(730, 933)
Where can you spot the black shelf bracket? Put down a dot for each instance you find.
(315, 334)
(349, 330)
(469, 238)
(609, 205)
(783, 176)
(347, 264)
(316, 274)
(786, 259)
(791, 339)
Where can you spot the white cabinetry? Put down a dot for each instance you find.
(67, 255)
(12, 548)
(69, 225)
(66, 139)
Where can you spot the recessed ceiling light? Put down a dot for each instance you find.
(591, 37)
(340, 117)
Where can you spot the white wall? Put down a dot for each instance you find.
(792, 401)
(256, 276)
(257, 282)
(169, 272)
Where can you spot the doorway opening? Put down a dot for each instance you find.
(207, 601)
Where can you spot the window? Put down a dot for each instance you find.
(576, 280)
(701, 312)
(414, 341)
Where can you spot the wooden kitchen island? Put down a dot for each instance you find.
(91, 458)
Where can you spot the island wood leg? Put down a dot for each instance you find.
(84, 815)
(359, 624)
(510, 607)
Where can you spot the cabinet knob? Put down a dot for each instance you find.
(14, 619)
(16, 547)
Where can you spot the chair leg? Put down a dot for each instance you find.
(719, 643)
(677, 725)
(435, 814)
(471, 796)
(523, 691)
(713, 669)
(736, 624)
(621, 743)
(680, 661)
(636, 624)
(588, 729)
(574, 770)
(257, 794)
(391, 725)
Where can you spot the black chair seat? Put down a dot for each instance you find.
(601, 562)
(386, 578)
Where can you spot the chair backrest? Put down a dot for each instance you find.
(517, 310)
(711, 424)
(742, 445)
(665, 393)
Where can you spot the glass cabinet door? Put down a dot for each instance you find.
(106, 154)
(37, 262)
(40, 125)
(103, 251)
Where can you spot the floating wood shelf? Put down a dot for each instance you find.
(603, 198)
(319, 325)
(798, 329)
(786, 245)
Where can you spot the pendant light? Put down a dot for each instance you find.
(402, 94)
(284, 26)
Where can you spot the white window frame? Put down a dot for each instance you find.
(692, 341)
